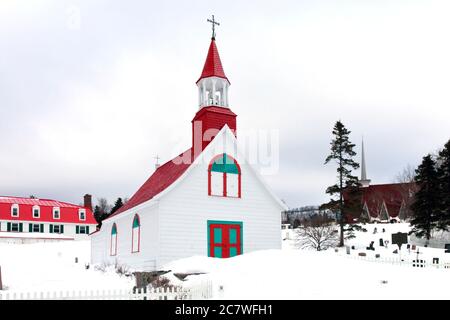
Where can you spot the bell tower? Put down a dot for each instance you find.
(213, 102)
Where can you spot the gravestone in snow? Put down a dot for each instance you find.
(399, 238)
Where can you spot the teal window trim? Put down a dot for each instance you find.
(225, 164)
(114, 229)
(136, 222)
(210, 222)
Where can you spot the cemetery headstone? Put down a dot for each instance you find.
(353, 247)
(347, 249)
(377, 255)
(375, 230)
(435, 260)
(413, 247)
(381, 242)
(395, 251)
(384, 230)
(399, 238)
(362, 254)
(447, 248)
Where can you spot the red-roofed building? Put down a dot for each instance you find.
(44, 219)
(209, 200)
(384, 202)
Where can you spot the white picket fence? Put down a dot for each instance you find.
(197, 292)
(407, 261)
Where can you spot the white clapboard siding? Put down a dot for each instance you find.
(174, 225)
(183, 228)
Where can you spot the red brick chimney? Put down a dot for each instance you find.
(88, 201)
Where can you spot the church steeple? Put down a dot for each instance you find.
(213, 83)
(214, 112)
(364, 181)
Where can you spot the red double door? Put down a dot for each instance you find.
(224, 240)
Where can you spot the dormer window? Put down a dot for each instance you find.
(36, 212)
(56, 213)
(82, 214)
(15, 210)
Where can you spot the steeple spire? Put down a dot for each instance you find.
(364, 181)
(213, 84)
(363, 162)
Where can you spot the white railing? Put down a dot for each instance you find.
(406, 261)
(200, 291)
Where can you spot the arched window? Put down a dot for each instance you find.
(136, 234)
(224, 177)
(113, 248)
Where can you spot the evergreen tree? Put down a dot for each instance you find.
(97, 214)
(342, 154)
(117, 205)
(444, 187)
(425, 207)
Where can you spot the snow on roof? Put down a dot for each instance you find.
(38, 202)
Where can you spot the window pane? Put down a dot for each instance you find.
(217, 183)
(232, 185)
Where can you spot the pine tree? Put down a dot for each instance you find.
(97, 214)
(425, 207)
(444, 187)
(117, 205)
(342, 153)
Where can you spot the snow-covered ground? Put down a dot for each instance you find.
(271, 274)
(51, 266)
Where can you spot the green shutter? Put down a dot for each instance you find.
(61, 228)
(30, 227)
(42, 228)
(8, 226)
(87, 229)
(20, 227)
(77, 230)
(51, 228)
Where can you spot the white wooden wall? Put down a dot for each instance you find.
(175, 226)
(146, 257)
(185, 210)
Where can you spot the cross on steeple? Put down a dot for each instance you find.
(157, 161)
(213, 23)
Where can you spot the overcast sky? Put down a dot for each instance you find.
(91, 91)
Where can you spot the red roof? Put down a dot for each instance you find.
(393, 195)
(162, 178)
(68, 212)
(213, 65)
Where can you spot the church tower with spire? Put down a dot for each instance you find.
(364, 181)
(213, 102)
